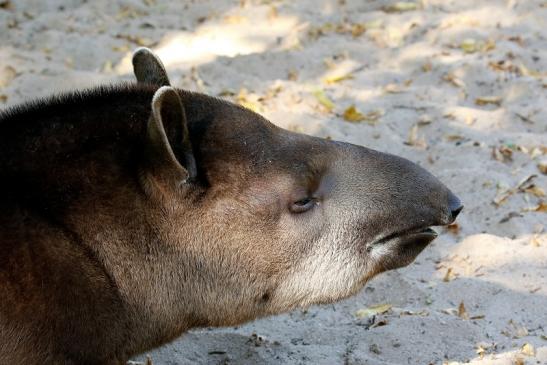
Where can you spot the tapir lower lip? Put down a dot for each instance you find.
(422, 235)
(416, 241)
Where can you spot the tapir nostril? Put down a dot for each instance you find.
(455, 206)
(456, 211)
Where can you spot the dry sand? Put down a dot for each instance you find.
(419, 78)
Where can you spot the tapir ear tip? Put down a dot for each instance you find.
(141, 50)
(162, 92)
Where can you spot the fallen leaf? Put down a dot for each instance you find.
(7, 74)
(502, 153)
(323, 99)
(541, 207)
(357, 29)
(469, 45)
(401, 6)
(373, 310)
(542, 166)
(413, 138)
(337, 78)
(448, 276)
(425, 120)
(535, 190)
(462, 312)
(528, 350)
(454, 137)
(485, 100)
(351, 114)
(450, 77)
(292, 75)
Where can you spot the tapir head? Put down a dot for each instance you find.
(278, 219)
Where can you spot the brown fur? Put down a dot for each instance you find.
(109, 247)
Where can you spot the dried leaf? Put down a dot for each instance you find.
(323, 99)
(535, 190)
(469, 45)
(401, 6)
(502, 153)
(450, 77)
(542, 166)
(424, 120)
(292, 75)
(485, 100)
(448, 276)
(454, 137)
(7, 74)
(462, 313)
(337, 78)
(528, 350)
(541, 207)
(351, 114)
(413, 138)
(373, 310)
(357, 29)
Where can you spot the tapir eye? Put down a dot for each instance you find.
(303, 205)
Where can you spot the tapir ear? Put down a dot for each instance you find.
(169, 151)
(148, 68)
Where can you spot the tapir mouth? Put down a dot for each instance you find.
(421, 236)
(405, 246)
(417, 238)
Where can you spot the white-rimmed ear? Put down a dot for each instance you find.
(169, 153)
(148, 68)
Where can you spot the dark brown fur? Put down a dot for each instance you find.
(110, 247)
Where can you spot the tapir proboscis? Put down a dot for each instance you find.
(132, 213)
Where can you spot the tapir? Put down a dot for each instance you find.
(132, 213)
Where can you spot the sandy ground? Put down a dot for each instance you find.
(457, 86)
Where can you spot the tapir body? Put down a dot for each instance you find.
(132, 213)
